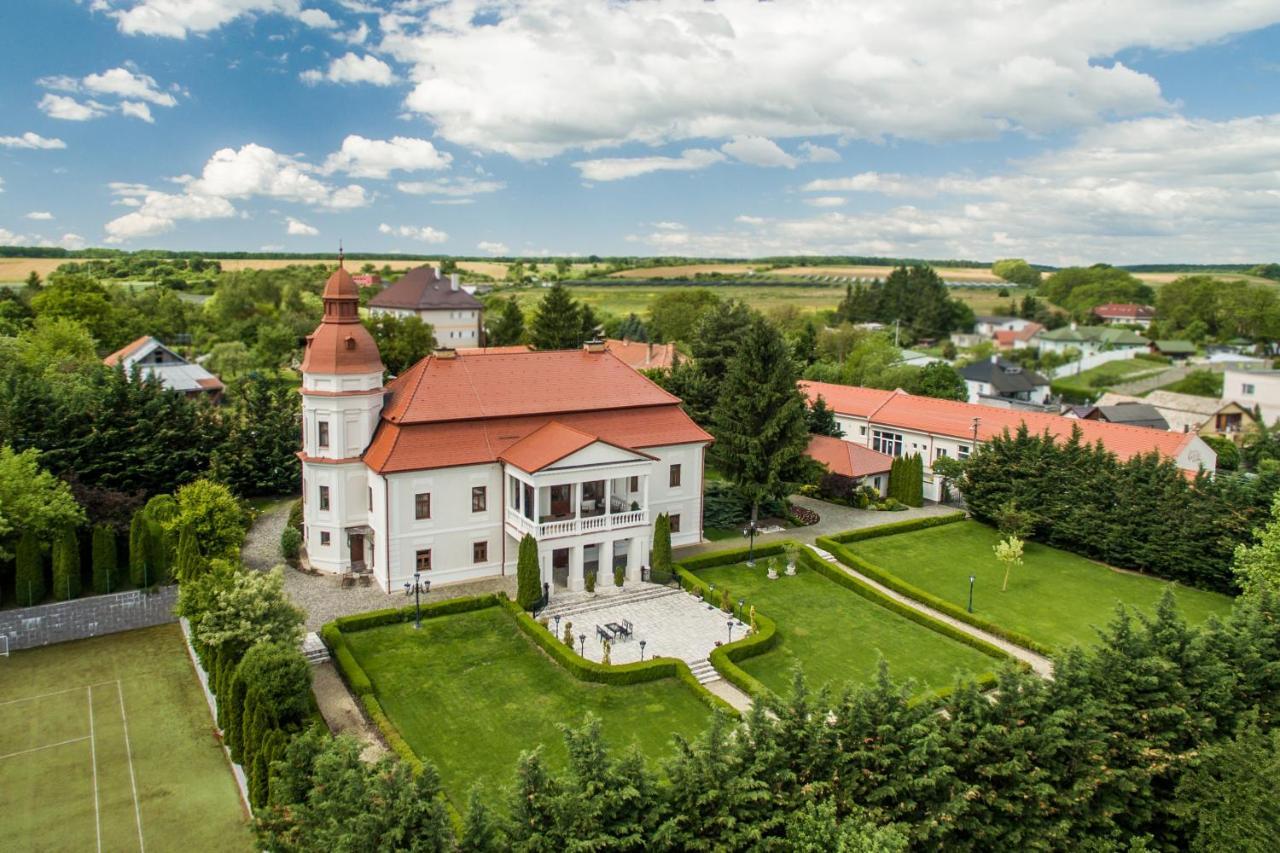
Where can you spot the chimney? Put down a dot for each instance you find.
(446, 353)
(453, 281)
(594, 345)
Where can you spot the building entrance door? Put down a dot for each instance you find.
(355, 541)
(560, 568)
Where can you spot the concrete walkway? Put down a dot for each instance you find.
(1041, 664)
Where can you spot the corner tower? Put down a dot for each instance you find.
(341, 401)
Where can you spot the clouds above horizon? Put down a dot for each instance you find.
(135, 94)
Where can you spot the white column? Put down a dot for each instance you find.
(577, 579)
(637, 556)
(645, 506)
(608, 496)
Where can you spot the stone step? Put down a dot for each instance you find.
(626, 597)
(826, 555)
(314, 649)
(704, 671)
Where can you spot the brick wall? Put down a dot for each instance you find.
(28, 627)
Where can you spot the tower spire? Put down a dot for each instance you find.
(341, 254)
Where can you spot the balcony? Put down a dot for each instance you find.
(551, 527)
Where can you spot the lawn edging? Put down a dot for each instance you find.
(897, 527)
(897, 584)
(582, 669)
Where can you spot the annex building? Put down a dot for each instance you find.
(445, 469)
(896, 423)
(456, 316)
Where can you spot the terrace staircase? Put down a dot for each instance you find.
(571, 604)
(704, 671)
(314, 650)
(826, 556)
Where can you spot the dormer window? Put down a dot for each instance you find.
(351, 342)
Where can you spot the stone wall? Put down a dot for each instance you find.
(29, 627)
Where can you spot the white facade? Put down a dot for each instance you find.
(988, 326)
(455, 328)
(1253, 389)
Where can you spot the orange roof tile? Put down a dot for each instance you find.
(954, 419)
(417, 446)
(502, 384)
(643, 356)
(507, 350)
(125, 351)
(547, 444)
(847, 458)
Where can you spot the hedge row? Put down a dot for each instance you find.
(389, 731)
(394, 615)
(896, 527)
(622, 674)
(873, 595)
(725, 658)
(896, 584)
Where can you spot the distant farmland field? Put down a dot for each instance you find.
(17, 269)
(684, 270)
(948, 273)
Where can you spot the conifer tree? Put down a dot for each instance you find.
(481, 832)
(234, 719)
(141, 571)
(660, 562)
(66, 564)
(822, 420)
(759, 423)
(509, 328)
(105, 571)
(29, 579)
(532, 817)
(189, 564)
(558, 322)
(528, 574)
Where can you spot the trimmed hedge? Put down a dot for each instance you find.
(735, 555)
(873, 595)
(392, 734)
(582, 669)
(896, 584)
(895, 527)
(393, 615)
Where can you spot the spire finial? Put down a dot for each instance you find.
(341, 255)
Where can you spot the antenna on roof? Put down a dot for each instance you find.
(341, 255)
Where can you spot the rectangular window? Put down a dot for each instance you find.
(888, 443)
(480, 552)
(675, 523)
(479, 498)
(371, 499)
(862, 430)
(324, 537)
(942, 451)
(322, 433)
(962, 452)
(675, 476)
(1246, 388)
(422, 560)
(633, 485)
(422, 505)
(324, 497)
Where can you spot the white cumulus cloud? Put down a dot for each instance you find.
(177, 18)
(137, 109)
(493, 247)
(818, 153)
(617, 168)
(124, 83)
(451, 188)
(758, 151)
(352, 68)
(317, 19)
(425, 233)
(826, 201)
(135, 92)
(298, 228)
(255, 170)
(31, 140)
(376, 158)
(69, 109)
(40, 215)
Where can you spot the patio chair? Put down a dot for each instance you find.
(627, 628)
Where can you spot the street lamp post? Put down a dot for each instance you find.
(582, 645)
(729, 624)
(642, 642)
(742, 602)
(971, 593)
(418, 588)
(557, 624)
(750, 533)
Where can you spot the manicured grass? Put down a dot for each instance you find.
(69, 777)
(1092, 382)
(469, 693)
(719, 534)
(836, 636)
(1055, 597)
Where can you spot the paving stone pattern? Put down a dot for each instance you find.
(29, 627)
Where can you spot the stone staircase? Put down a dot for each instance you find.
(564, 605)
(825, 555)
(314, 650)
(704, 671)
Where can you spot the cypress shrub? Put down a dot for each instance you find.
(235, 708)
(66, 564)
(660, 560)
(291, 544)
(106, 575)
(258, 780)
(189, 565)
(29, 582)
(528, 575)
(141, 571)
(160, 552)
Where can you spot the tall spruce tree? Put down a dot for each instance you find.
(508, 329)
(760, 422)
(822, 419)
(66, 564)
(29, 581)
(558, 322)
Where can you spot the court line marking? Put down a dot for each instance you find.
(46, 746)
(93, 755)
(128, 751)
(52, 693)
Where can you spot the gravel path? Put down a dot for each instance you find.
(342, 713)
(261, 548)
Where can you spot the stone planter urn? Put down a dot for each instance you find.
(773, 571)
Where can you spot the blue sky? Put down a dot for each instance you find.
(1057, 130)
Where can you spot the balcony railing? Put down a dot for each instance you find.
(574, 526)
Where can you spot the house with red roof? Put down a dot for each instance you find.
(643, 355)
(455, 315)
(1125, 313)
(441, 472)
(896, 423)
(859, 465)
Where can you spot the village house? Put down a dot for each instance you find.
(853, 463)
(1255, 390)
(997, 379)
(1125, 314)
(896, 423)
(988, 325)
(1088, 340)
(456, 316)
(446, 469)
(1205, 416)
(1132, 412)
(156, 361)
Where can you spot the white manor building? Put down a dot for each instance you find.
(447, 468)
(455, 315)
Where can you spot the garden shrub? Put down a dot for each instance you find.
(105, 564)
(29, 583)
(141, 571)
(619, 575)
(66, 565)
(896, 527)
(528, 574)
(295, 515)
(280, 677)
(591, 581)
(291, 544)
(660, 563)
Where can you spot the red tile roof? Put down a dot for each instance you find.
(125, 351)
(1006, 337)
(341, 344)
(847, 458)
(502, 384)
(643, 356)
(950, 418)
(423, 289)
(1124, 310)
(507, 350)
(547, 445)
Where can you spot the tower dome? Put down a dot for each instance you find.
(341, 343)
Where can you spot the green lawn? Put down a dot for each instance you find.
(1054, 597)
(836, 636)
(1092, 382)
(469, 693)
(82, 724)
